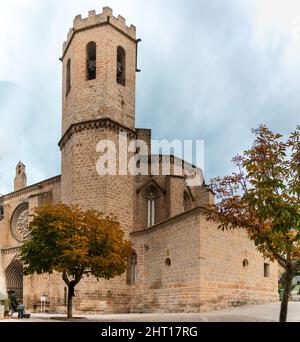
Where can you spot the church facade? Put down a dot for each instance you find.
(180, 262)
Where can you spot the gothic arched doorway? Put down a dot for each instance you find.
(14, 278)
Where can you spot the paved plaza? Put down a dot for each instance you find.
(256, 313)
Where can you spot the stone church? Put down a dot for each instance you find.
(180, 262)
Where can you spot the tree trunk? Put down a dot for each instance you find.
(286, 295)
(70, 301)
(71, 290)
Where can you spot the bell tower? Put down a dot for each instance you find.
(99, 67)
(20, 178)
(98, 102)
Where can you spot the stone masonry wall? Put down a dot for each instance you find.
(102, 97)
(162, 287)
(206, 271)
(185, 264)
(224, 280)
(81, 184)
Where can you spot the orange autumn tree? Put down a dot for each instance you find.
(75, 243)
(263, 197)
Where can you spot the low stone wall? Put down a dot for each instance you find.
(168, 266)
(209, 270)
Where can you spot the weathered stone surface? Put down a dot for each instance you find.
(184, 263)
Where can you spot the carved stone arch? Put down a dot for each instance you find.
(151, 198)
(151, 192)
(9, 255)
(14, 278)
(151, 184)
(19, 224)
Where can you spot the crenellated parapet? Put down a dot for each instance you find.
(94, 20)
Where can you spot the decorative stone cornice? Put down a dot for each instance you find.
(95, 124)
(31, 188)
(13, 250)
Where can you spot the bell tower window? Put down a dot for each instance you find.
(121, 66)
(68, 85)
(91, 60)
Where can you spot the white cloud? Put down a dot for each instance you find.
(277, 21)
(210, 69)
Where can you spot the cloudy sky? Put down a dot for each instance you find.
(211, 70)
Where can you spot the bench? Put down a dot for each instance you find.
(38, 305)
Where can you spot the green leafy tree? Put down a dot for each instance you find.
(75, 243)
(263, 197)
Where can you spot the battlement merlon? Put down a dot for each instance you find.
(93, 20)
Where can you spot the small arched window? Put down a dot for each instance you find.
(68, 79)
(151, 197)
(132, 270)
(187, 205)
(121, 66)
(91, 60)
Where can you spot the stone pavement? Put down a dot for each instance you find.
(256, 313)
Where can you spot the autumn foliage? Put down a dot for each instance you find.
(263, 197)
(75, 243)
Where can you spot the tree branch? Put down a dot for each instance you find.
(65, 278)
(78, 277)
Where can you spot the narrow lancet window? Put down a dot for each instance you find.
(68, 85)
(151, 197)
(91, 60)
(121, 66)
